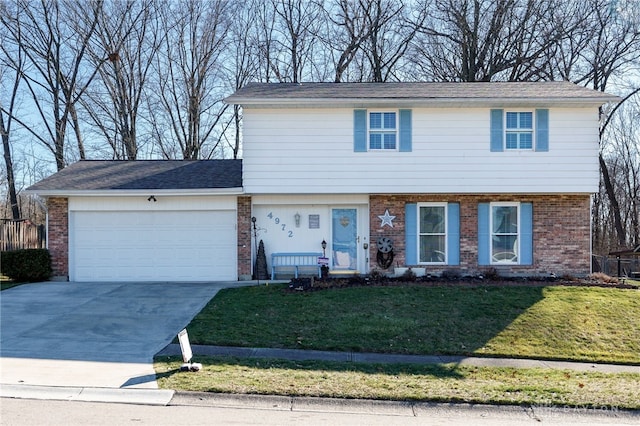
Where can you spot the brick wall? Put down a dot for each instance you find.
(561, 231)
(58, 236)
(245, 228)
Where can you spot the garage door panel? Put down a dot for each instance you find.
(153, 246)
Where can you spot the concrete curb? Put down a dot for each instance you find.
(375, 358)
(109, 395)
(459, 411)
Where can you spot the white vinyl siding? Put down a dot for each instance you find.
(310, 151)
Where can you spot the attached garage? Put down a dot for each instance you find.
(147, 221)
(152, 245)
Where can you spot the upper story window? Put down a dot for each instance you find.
(386, 131)
(519, 130)
(382, 130)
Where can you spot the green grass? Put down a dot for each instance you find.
(442, 383)
(569, 323)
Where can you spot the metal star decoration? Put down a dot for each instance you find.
(386, 219)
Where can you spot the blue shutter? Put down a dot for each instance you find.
(411, 234)
(526, 234)
(542, 130)
(453, 234)
(360, 130)
(497, 132)
(484, 240)
(405, 130)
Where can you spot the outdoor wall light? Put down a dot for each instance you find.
(324, 248)
(296, 217)
(152, 198)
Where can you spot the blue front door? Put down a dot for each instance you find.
(344, 239)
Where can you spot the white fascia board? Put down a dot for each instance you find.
(399, 102)
(135, 192)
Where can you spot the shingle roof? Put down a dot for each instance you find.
(284, 93)
(97, 175)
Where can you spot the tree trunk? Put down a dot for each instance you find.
(615, 206)
(11, 183)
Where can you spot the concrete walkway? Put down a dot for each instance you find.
(376, 358)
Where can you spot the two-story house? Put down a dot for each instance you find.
(441, 176)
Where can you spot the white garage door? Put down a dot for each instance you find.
(153, 246)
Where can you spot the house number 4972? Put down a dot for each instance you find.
(282, 226)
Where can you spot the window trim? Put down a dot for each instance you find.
(520, 130)
(518, 254)
(445, 234)
(382, 131)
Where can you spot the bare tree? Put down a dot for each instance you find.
(11, 68)
(345, 30)
(613, 47)
(296, 24)
(129, 37)
(190, 87)
(241, 63)
(483, 40)
(391, 27)
(54, 74)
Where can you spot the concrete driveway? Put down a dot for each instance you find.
(93, 334)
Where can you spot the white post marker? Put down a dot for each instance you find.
(187, 354)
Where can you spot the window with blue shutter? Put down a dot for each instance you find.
(432, 233)
(505, 233)
(382, 130)
(519, 130)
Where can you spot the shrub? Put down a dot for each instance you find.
(409, 276)
(26, 265)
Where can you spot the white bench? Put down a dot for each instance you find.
(293, 262)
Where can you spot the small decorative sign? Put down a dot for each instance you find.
(386, 219)
(323, 261)
(187, 354)
(185, 346)
(314, 221)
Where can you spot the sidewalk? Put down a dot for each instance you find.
(376, 358)
(170, 397)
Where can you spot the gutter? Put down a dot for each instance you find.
(133, 192)
(418, 102)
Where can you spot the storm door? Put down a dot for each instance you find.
(344, 240)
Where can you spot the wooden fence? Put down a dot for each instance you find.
(20, 235)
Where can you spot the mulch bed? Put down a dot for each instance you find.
(315, 284)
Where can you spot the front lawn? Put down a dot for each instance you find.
(555, 322)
